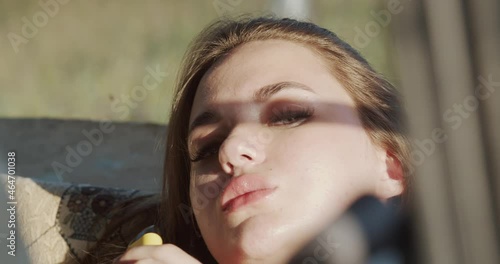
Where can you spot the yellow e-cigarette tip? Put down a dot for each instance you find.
(148, 239)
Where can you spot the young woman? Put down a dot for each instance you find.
(276, 128)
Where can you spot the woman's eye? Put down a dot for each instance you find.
(280, 117)
(290, 116)
(205, 152)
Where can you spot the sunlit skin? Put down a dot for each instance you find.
(319, 164)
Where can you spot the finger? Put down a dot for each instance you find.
(139, 252)
(168, 253)
(142, 261)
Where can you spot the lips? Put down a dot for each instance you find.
(243, 187)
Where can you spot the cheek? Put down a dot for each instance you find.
(330, 163)
(200, 196)
(334, 147)
(205, 191)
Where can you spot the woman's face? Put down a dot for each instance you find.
(272, 120)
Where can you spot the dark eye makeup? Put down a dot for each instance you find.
(286, 117)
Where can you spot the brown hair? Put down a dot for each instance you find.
(376, 102)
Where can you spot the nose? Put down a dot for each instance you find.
(240, 150)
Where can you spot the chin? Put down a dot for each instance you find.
(263, 240)
(257, 251)
(257, 236)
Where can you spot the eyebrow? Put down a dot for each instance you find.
(261, 95)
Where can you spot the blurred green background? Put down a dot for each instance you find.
(87, 54)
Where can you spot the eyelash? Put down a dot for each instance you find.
(282, 117)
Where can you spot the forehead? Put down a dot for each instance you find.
(259, 63)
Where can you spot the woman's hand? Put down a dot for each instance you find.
(164, 254)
